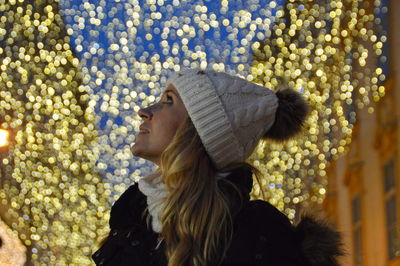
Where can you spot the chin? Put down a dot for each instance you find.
(135, 150)
(139, 152)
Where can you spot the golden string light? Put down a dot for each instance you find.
(56, 201)
(72, 78)
(321, 50)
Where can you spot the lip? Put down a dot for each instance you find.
(143, 130)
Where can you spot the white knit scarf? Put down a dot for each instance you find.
(156, 192)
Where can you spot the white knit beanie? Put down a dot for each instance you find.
(229, 113)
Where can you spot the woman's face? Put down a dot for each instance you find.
(160, 122)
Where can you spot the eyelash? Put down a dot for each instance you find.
(168, 98)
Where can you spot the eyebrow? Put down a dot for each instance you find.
(170, 91)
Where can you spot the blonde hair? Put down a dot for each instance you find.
(197, 218)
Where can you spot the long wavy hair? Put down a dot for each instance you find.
(197, 218)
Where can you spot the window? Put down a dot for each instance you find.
(356, 224)
(393, 239)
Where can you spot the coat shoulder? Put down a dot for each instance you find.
(129, 209)
(259, 211)
(263, 236)
(129, 239)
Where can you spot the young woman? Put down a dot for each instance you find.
(195, 208)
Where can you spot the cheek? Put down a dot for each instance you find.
(166, 126)
(169, 128)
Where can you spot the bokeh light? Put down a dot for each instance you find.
(330, 52)
(3, 138)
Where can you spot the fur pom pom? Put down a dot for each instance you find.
(321, 245)
(290, 115)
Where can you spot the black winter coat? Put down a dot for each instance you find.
(262, 235)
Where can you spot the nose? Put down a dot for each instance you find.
(145, 113)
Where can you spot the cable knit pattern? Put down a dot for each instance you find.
(209, 117)
(156, 192)
(230, 114)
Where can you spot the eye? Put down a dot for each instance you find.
(169, 100)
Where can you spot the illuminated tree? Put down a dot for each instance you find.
(320, 49)
(57, 201)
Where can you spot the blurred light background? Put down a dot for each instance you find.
(74, 73)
